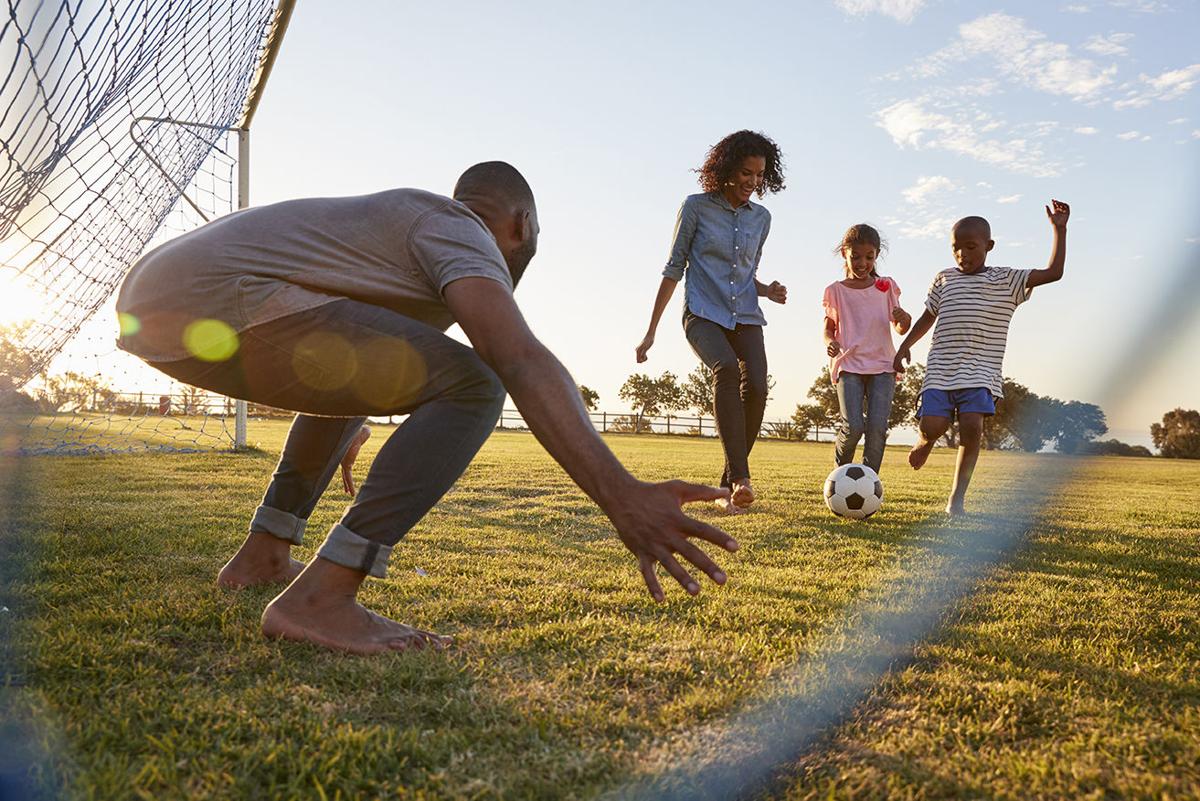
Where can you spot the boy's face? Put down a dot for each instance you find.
(970, 246)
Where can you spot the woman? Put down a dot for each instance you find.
(719, 238)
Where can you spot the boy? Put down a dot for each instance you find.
(972, 306)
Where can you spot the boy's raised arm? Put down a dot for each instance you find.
(1058, 217)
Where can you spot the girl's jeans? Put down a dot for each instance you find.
(337, 364)
(866, 402)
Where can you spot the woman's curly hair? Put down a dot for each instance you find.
(726, 156)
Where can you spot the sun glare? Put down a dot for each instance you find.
(19, 299)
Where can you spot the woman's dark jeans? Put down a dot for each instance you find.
(337, 364)
(738, 361)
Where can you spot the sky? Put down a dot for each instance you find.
(907, 114)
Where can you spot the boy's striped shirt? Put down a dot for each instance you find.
(973, 312)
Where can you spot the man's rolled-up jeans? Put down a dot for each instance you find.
(336, 365)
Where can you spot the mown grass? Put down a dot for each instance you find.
(1072, 670)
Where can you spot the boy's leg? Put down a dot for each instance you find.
(851, 395)
(970, 435)
(310, 456)
(935, 412)
(880, 390)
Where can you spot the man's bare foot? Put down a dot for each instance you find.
(262, 559)
(339, 622)
(919, 454)
(743, 494)
(727, 506)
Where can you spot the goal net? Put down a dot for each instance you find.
(122, 124)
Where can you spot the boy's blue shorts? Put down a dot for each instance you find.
(944, 403)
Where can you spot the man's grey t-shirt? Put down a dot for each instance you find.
(397, 249)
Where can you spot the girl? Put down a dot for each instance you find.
(719, 238)
(858, 310)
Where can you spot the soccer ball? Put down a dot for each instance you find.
(854, 491)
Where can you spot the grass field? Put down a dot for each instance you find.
(1071, 669)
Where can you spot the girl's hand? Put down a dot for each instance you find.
(901, 318)
(647, 341)
(777, 292)
(902, 356)
(1059, 216)
(834, 347)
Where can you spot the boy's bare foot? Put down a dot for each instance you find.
(727, 506)
(339, 622)
(743, 494)
(262, 559)
(919, 454)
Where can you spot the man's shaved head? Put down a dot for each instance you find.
(499, 182)
(973, 225)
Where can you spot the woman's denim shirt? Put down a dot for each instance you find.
(719, 248)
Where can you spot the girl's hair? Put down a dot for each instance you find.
(861, 234)
(726, 156)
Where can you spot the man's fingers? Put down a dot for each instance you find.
(682, 576)
(700, 559)
(697, 492)
(646, 566)
(692, 527)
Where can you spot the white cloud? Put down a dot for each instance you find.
(1076, 8)
(934, 227)
(1193, 240)
(1170, 85)
(1111, 45)
(1027, 56)
(1023, 55)
(1129, 135)
(984, 184)
(928, 187)
(1087, 130)
(1196, 134)
(1141, 6)
(1178, 121)
(1008, 199)
(901, 10)
(912, 125)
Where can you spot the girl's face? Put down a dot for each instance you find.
(860, 260)
(745, 180)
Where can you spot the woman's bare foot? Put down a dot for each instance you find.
(727, 506)
(743, 493)
(317, 608)
(956, 509)
(262, 559)
(919, 454)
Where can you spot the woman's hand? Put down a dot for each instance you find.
(776, 292)
(644, 347)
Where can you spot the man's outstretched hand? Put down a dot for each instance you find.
(653, 526)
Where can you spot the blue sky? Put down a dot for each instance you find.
(904, 113)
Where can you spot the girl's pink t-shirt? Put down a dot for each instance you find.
(863, 326)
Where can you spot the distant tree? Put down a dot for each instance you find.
(808, 416)
(908, 392)
(824, 393)
(15, 361)
(1023, 420)
(590, 397)
(1114, 447)
(73, 391)
(1178, 436)
(651, 396)
(1074, 424)
(697, 391)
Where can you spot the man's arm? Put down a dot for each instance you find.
(648, 517)
(1058, 254)
(920, 328)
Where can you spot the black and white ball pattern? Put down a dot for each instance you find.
(854, 491)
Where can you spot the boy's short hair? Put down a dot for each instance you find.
(975, 223)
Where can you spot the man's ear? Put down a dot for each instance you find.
(522, 226)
